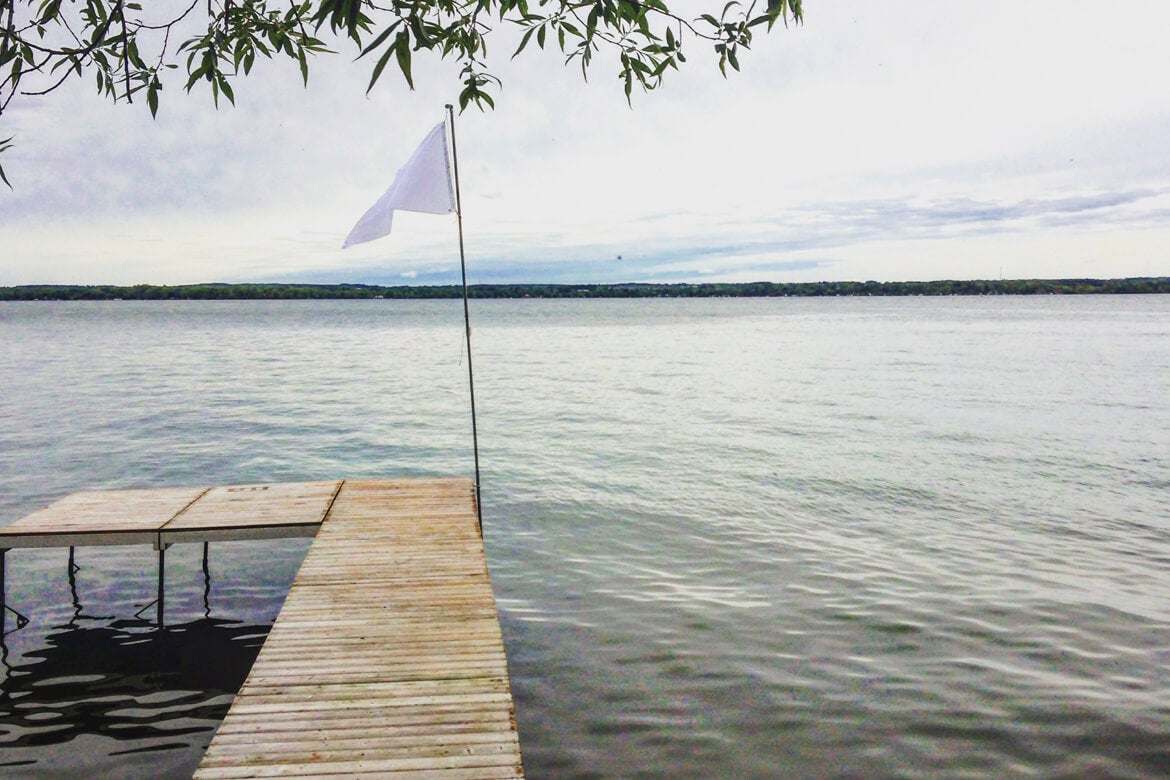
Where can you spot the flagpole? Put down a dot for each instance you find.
(466, 313)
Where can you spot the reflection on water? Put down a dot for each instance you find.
(125, 681)
(90, 686)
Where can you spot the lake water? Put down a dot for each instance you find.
(916, 537)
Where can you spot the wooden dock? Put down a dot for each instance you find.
(386, 659)
(166, 516)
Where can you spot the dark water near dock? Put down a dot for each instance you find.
(729, 538)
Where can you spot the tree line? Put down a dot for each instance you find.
(142, 292)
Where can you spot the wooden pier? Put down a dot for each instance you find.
(386, 659)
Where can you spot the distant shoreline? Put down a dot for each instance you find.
(263, 291)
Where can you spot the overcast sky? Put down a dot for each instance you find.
(886, 141)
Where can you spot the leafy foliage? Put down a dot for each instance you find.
(128, 49)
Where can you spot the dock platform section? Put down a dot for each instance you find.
(387, 658)
(165, 516)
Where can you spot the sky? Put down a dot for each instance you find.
(878, 141)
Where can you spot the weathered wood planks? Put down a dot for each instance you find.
(165, 516)
(386, 659)
(254, 512)
(100, 517)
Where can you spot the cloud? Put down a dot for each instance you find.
(797, 242)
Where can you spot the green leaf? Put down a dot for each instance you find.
(49, 11)
(241, 49)
(403, 47)
(381, 65)
(6, 144)
(523, 42)
(591, 22)
(98, 9)
(416, 29)
(132, 54)
(376, 42)
(192, 79)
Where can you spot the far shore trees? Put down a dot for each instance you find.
(151, 292)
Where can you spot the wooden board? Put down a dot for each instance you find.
(164, 516)
(387, 658)
(253, 512)
(100, 517)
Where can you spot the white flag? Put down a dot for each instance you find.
(423, 184)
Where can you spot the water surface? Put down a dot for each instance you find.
(918, 537)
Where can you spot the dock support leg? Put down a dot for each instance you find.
(162, 577)
(72, 576)
(206, 583)
(21, 620)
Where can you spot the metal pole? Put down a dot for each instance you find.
(466, 314)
